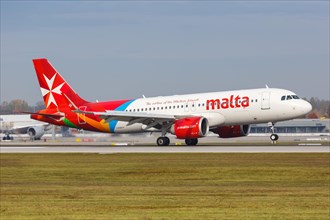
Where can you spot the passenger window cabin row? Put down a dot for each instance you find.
(176, 107)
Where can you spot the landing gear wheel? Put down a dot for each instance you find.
(7, 138)
(274, 137)
(167, 141)
(191, 142)
(163, 141)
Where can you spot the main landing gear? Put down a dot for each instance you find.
(191, 142)
(163, 141)
(8, 138)
(273, 136)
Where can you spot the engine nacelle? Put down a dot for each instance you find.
(232, 131)
(189, 128)
(36, 132)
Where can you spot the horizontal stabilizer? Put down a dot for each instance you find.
(54, 115)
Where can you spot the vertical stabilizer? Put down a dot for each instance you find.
(56, 92)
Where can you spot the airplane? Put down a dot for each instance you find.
(189, 117)
(22, 124)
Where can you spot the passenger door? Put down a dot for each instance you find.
(265, 101)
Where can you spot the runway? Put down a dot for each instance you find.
(171, 149)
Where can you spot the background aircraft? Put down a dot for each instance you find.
(228, 114)
(22, 124)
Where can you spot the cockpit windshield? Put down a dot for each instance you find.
(289, 97)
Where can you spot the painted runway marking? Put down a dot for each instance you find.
(21, 147)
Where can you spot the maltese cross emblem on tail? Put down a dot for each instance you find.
(47, 93)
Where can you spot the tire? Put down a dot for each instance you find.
(274, 137)
(191, 142)
(163, 141)
(195, 142)
(160, 141)
(167, 141)
(7, 138)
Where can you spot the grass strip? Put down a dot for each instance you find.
(165, 186)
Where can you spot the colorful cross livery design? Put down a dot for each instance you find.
(228, 114)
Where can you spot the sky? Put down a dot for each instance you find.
(125, 49)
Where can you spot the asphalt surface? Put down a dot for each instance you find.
(170, 149)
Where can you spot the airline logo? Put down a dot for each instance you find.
(47, 93)
(225, 103)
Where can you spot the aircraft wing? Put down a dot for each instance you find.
(151, 120)
(34, 130)
(15, 130)
(21, 129)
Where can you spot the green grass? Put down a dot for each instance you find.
(165, 186)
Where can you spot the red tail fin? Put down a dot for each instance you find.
(56, 92)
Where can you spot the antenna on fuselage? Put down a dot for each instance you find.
(267, 86)
(143, 96)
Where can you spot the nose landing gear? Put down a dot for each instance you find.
(273, 137)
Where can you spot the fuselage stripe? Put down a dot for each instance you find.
(122, 107)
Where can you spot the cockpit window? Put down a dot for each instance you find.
(288, 97)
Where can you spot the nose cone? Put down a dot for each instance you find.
(300, 108)
(306, 107)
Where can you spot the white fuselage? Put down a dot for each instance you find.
(222, 108)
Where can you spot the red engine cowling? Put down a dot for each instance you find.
(233, 131)
(188, 128)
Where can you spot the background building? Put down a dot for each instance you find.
(295, 126)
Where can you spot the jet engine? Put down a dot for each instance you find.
(189, 128)
(232, 131)
(36, 132)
